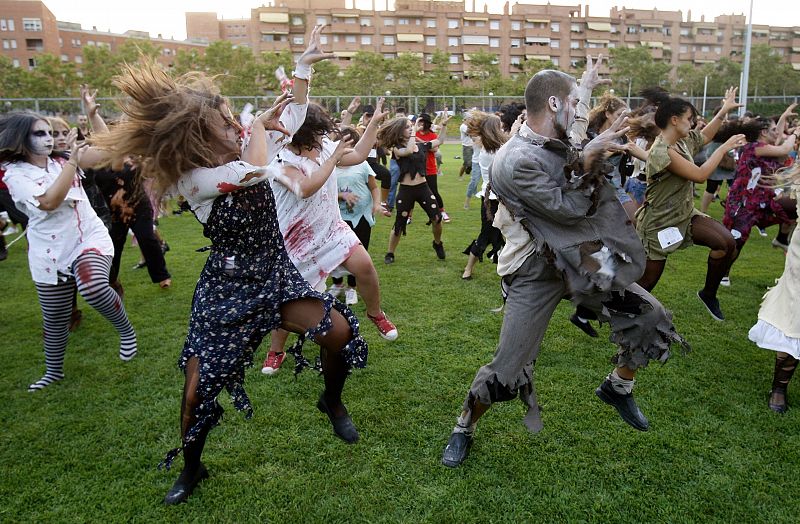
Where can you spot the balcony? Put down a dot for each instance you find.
(410, 47)
(345, 46)
(340, 27)
(535, 32)
(706, 57)
(475, 31)
(705, 39)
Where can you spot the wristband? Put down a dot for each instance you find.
(302, 71)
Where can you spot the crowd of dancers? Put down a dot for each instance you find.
(578, 202)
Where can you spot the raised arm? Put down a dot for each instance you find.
(312, 55)
(256, 151)
(688, 170)
(57, 192)
(302, 185)
(782, 121)
(409, 149)
(778, 151)
(442, 129)
(367, 141)
(589, 81)
(347, 114)
(728, 105)
(90, 104)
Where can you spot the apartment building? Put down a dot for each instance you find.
(563, 34)
(29, 28)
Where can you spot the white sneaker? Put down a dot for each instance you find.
(336, 290)
(445, 217)
(350, 296)
(726, 281)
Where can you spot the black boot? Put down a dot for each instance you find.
(457, 449)
(185, 484)
(343, 426)
(785, 366)
(624, 404)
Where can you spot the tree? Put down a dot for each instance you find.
(406, 71)
(13, 80)
(366, 74)
(483, 65)
(636, 68)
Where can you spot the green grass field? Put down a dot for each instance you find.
(86, 449)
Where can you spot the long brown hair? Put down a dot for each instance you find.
(608, 103)
(487, 127)
(391, 134)
(172, 124)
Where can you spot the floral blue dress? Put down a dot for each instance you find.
(246, 279)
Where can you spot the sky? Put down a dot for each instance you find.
(167, 17)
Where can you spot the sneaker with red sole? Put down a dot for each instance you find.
(272, 364)
(385, 326)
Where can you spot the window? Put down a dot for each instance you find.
(76, 42)
(3, 25)
(555, 44)
(335, 38)
(515, 60)
(718, 50)
(298, 40)
(614, 29)
(321, 20)
(480, 23)
(32, 24)
(574, 45)
(684, 49)
(666, 31)
(428, 59)
(494, 42)
(274, 38)
(78, 59)
(366, 40)
(402, 21)
(31, 63)
(323, 39)
(388, 21)
(430, 22)
(34, 44)
(388, 40)
(297, 20)
(576, 28)
(15, 62)
(515, 25)
(11, 24)
(350, 39)
(554, 59)
(6, 44)
(452, 24)
(611, 45)
(452, 41)
(632, 30)
(684, 31)
(494, 24)
(430, 41)
(705, 49)
(13, 44)
(453, 59)
(389, 56)
(365, 21)
(515, 42)
(90, 42)
(555, 27)
(351, 21)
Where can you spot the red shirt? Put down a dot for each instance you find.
(2, 184)
(430, 164)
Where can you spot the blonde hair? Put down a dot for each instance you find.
(172, 124)
(57, 120)
(487, 127)
(608, 103)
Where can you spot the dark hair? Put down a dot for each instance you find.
(543, 85)
(351, 133)
(750, 128)
(508, 114)
(15, 129)
(425, 118)
(316, 125)
(401, 110)
(391, 134)
(668, 106)
(488, 128)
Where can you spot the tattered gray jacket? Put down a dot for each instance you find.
(574, 218)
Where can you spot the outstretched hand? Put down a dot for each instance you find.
(729, 104)
(89, 100)
(591, 77)
(607, 141)
(314, 52)
(270, 118)
(380, 112)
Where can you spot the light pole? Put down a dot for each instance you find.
(746, 69)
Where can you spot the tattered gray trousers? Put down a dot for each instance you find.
(640, 326)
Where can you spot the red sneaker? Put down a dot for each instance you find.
(272, 364)
(384, 325)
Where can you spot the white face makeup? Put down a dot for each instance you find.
(41, 138)
(565, 112)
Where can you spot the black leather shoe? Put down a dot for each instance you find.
(439, 248)
(343, 426)
(624, 404)
(457, 449)
(583, 325)
(778, 407)
(181, 490)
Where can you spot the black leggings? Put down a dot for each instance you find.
(406, 197)
(488, 235)
(363, 231)
(434, 185)
(705, 232)
(141, 223)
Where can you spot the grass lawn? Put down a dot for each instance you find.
(85, 450)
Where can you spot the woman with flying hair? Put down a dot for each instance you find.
(68, 245)
(317, 240)
(186, 136)
(778, 326)
(398, 137)
(489, 130)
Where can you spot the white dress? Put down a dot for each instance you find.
(778, 326)
(316, 238)
(55, 238)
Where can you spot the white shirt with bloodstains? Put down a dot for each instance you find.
(55, 238)
(316, 238)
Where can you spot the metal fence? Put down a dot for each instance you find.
(413, 104)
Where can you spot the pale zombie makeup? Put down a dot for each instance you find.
(565, 114)
(41, 139)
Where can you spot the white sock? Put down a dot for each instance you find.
(620, 385)
(463, 425)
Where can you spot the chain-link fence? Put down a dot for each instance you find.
(414, 105)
